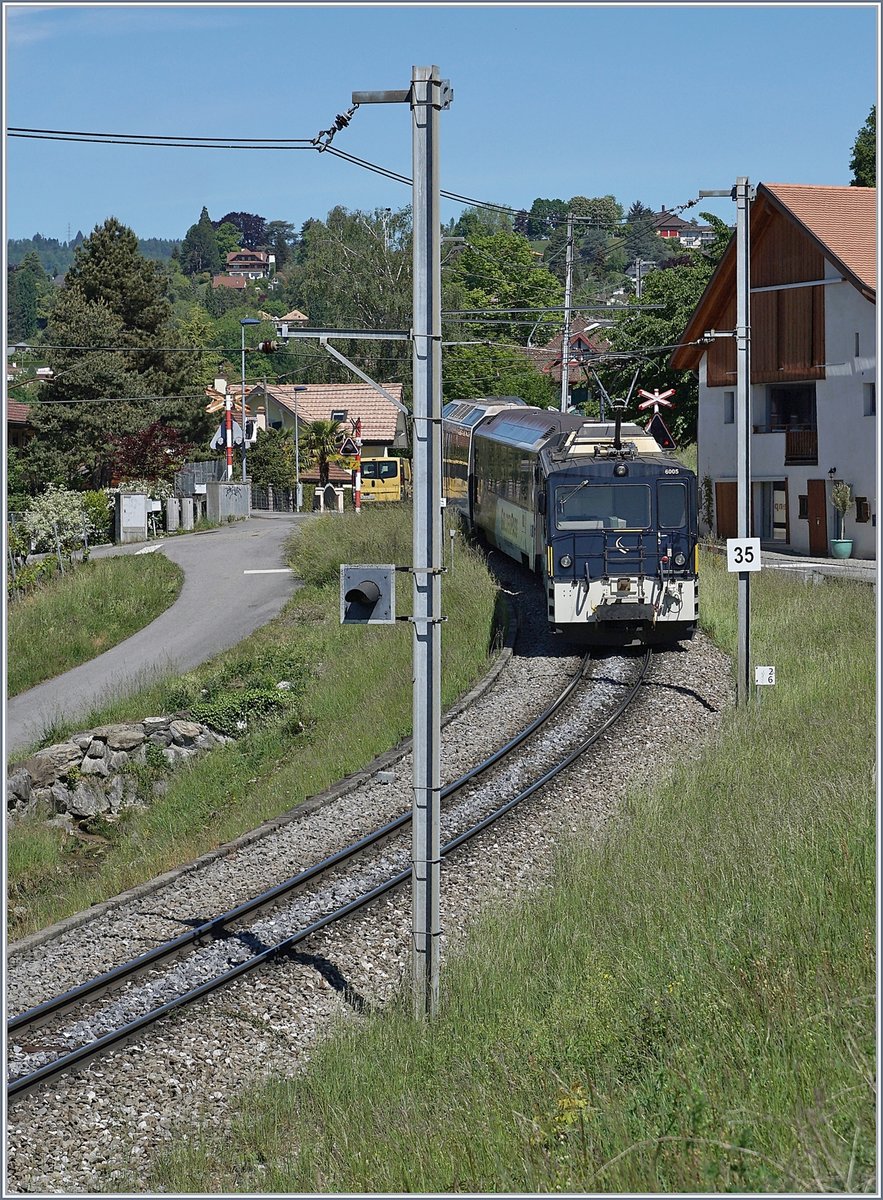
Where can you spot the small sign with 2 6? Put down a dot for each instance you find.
(743, 554)
(765, 676)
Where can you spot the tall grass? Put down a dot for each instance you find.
(689, 1008)
(350, 700)
(77, 616)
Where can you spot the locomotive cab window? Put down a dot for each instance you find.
(672, 498)
(602, 506)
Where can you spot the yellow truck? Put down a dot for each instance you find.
(386, 479)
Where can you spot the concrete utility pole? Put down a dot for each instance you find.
(568, 293)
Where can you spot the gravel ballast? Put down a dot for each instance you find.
(98, 1131)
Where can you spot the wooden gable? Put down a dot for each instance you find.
(787, 322)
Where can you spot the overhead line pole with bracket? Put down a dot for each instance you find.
(428, 95)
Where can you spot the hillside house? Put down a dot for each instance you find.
(813, 358)
(674, 228)
(18, 423)
(250, 264)
(587, 340)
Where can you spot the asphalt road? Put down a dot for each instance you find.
(235, 580)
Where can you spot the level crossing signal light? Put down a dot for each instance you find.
(367, 595)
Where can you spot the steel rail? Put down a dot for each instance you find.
(217, 928)
(118, 1038)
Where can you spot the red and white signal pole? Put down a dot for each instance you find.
(228, 418)
(357, 473)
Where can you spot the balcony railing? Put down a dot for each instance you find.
(801, 446)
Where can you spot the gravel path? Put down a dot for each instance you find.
(98, 1131)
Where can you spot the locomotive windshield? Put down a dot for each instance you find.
(602, 506)
(672, 505)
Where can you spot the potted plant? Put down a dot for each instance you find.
(841, 498)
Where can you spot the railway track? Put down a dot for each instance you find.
(40, 1053)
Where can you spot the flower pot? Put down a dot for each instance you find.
(841, 547)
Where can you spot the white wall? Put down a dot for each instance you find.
(847, 438)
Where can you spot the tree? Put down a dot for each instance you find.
(108, 334)
(228, 239)
(604, 212)
(251, 227)
(272, 461)
(153, 453)
(199, 251)
(479, 220)
(21, 316)
(863, 163)
(470, 371)
(544, 217)
(280, 237)
(85, 402)
(320, 441)
(499, 271)
(354, 271)
(108, 267)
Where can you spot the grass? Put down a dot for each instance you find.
(79, 615)
(703, 1019)
(349, 700)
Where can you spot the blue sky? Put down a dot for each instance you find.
(644, 102)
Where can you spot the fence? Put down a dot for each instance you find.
(198, 473)
(21, 546)
(270, 499)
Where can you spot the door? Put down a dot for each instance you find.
(818, 518)
(725, 509)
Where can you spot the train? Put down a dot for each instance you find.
(598, 510)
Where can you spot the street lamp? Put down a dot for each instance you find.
(298, 490)
(243, 321)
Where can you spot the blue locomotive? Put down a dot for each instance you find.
(597, 509)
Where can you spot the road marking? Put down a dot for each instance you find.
(150, 549)
(270, 571)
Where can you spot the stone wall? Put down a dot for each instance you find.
(96, 772)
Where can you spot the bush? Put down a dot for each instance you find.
(29, 578)
(98, 507)
(58, 517)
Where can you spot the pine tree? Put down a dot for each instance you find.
(199, 250)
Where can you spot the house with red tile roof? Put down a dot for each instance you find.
(236, 282)
(671, 227)
(18, 423)
(813, 362)
(250, 264)
(587, 340)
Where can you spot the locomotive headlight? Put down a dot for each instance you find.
(565, 561)
(679, 560)
(620, 469)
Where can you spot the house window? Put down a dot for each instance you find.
(862, 509)
(791, 406)
(338, 414)
(803, 508)
(869, 395)
(857, 345)
(729, 408)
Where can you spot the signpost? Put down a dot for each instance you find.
(743, 554)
